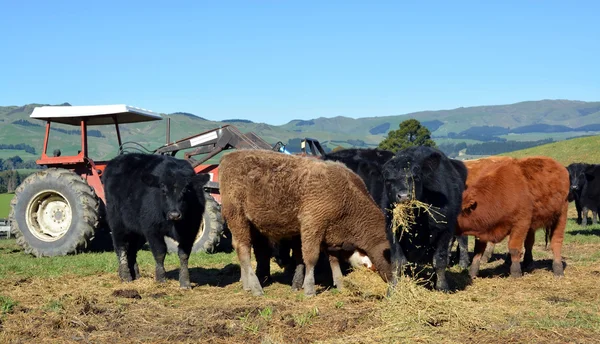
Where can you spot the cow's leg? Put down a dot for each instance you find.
(440, 260)
(240, 229)
(121, 245)
(298, 278)
(450, 245)
(487, 253)
(584, 213)
(398, 260)
(135, 244)
(528, 257)
(480, 247)
(556, 240)
(463, 247)
(336, 271)
(159, 251)
(184, 250)
(262, 253)
(311, 239)
(310, 254)
(579, 211)
(515, 245)
(594, 217)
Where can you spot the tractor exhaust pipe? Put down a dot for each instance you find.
(168, 130)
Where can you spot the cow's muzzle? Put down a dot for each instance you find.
(402, 197)
(174, 215)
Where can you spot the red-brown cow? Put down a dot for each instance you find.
(474, 167)
(515, 197)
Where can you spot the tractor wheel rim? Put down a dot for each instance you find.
(48, 215)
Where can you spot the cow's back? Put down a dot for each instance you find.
(548, 185)
(474, 167)
(367, 164)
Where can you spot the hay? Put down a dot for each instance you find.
(405, 213)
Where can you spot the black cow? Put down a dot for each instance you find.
(149, 197)
(432, 178)
(589, 180)
(367, 164)
(578, 181)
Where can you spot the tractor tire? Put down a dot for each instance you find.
(211, 229)
(54, 213)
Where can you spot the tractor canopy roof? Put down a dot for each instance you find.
(94, 114)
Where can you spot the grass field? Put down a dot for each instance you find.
(5, 204)
(584, 149)
(80, 299)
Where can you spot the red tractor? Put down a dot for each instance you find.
(58, 210)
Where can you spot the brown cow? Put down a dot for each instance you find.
(279, 196)
(515, 197)
(474, 167)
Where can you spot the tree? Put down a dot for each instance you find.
(338, 148)
(411, 133)
(13, 181)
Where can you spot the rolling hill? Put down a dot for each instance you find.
(584, 149)
(525, 121)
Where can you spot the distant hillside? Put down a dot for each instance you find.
(524, 117)
(584, 149)
(527, 122)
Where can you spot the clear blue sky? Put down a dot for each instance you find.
(274, 61)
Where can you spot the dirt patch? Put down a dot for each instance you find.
(128, 293)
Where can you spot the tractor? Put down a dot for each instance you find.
(59, 210)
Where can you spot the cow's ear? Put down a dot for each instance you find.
(199, 180)
(150, 180)
(470, 206)
(433, 161)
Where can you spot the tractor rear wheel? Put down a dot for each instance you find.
(54, 213)
(211, 229)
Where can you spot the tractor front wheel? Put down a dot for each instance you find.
(211, 229)
(54, 213)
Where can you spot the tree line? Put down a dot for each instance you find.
(10, 178)
(490, 148)
(19, 146)
(90, 132)
(412, 133)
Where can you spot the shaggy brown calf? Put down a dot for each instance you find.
(279, 196)
(515, 197)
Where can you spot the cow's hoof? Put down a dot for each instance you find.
(296, 286)
(557, 267)
(473, 271)
(516, 273)
(310, 294)
(443, 287)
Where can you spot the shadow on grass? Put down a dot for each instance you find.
(504, 269)
(589, 232)
(425, 276)
(213, 277)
